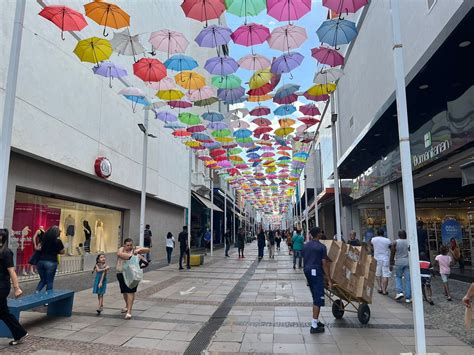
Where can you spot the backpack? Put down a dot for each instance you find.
(132, 273)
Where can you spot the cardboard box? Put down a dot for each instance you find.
(334, 248)
(364, 289)
(338, 263)
(370, 265)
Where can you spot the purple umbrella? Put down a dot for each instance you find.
(286, 63)
(231, 95)
(221, 65)
(217, 125)
(166, 117)
(109, 70)
(213, 36)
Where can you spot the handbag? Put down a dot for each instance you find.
(132, 273)
(34, 258)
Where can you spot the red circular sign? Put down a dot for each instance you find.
(103, 167)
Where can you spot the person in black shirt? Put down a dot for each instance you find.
(261, 243)
(227, 242)
(353, 239)
(7, 275)
(48, 260)
(316, 265)
(241, 242)
(423, 249)
(183, 248)
(147, 241)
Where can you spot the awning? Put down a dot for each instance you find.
(206, 202)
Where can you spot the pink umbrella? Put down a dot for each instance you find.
(201, 94)
(286, 38)
(328, 56)
(250, 34)
(302, 128)
(224, 164)
(260, 111)
(164, 84)
(179, 104)
(262, 130)
(239, 124)
(287, 10)
(310, 110)
(341, 6)
(316, 98)
(309, 121)
(254, 62)
(196, 129)
(261, 121)
(168, 41)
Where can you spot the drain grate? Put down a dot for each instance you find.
(202, 339)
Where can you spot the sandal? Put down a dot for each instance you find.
(128, 316)
(18, 341)
(123, 310)
(380, 291)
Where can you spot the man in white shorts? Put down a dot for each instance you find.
(381, 246)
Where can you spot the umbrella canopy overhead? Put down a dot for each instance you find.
(244, 8)
(344, 6)
(287, 62)
(286, 38)
(180, 62)
(221, 65)
(93, 50)
(326, 55)
(288, 10)
(203, 10)
(254, 62)
(168, 41)
(226, 82)
(336, 32)
(250, 34)
(109, 70)
(64, 17)
(328, 75)
(190, 80)
(107, 15)
(149, 69)
(213, 36)
(124, 43)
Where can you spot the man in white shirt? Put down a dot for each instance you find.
(381, 246)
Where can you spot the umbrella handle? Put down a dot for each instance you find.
(62, 35)
(110, 82)
(104, 32)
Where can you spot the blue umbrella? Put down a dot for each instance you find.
(255, 149)
(166, 117)
(235, 101)
(109, 70)
(253, 155)
(175, 125)
(201, 136)
(230, 94)
(221, 65)
(212, 145)
(242, 133)
(180, 62)
(217, 125)
(136, 100)
(335, 32)
(213, 36)
(284, 110)
(286, 63)
(286, 90)
(213, 116)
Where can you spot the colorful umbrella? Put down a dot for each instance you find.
(149, 69)
(179, 104)
(190, 80)
(166, 117)
(221, 65)
(219, 133)
(286, 38)
(287, 10)
(196, 129)
(328, 56)
(341, 6)
(284, 110)
(286, 100)
(250, 34)
(309, 110)
(93, 50)
(263, 90)
(261, 121)
(286, 90)
(328, 75)
(180, 62)
(286, 122)
(259, 98)
(260, 111)
(309, 121)
(124, 43)
(324, 97)
(254, 62)
(200, 94)
(64, 17)
(286, 63)
(321, 89)
(109, 70)
(181, 133)
(170, 95)
(135, 95)
(108, 15)
(163, 84)
(174, 125)
(262, 130)
(244, 8)
(201, 137)
(189, 118)
(242, 133)
(231, 95)
(239, 124)
(213, 36)
(203, 10)
(213, 116)
(168, 41)
(260, 78)
(336, 32)
(226, 82)
(206, 102)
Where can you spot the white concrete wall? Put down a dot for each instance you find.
(368, 81)
(69, 116)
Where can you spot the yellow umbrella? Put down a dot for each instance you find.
(260, 98)
(321, 89)
(190, 80)
(169, 95)
(284, 131)
(286, 122)
(224, 139)
(192, 143)
(260, 78)
(93, 50)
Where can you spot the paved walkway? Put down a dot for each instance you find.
(229, 305)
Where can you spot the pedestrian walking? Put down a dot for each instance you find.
(399, 260)
(37, 242)
(289, 242)
(260, 243)
(241, 242)
(445, 262)
(7, 277)
(147, 234)
(297, 247)
(47, 265)
(381, 246)
(125, 253)
(100, 283)
(227, 242)
(422, 235)
(316, 266)
(184, 248)
(271, 244)
(353, 239)
(467, 299)
(425, 273)
(278, 240)
(170, 243)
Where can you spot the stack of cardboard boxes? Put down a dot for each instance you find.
(352, 269)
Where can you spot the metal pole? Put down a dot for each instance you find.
(408, 195)
(9, 105)
(336, 173)
(306, 205)
(144, 172)
(190, 197)
(300, 216)
(212, 212)
(233, 228)
(317, 169)
(225, 211)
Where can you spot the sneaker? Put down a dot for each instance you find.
(399, 296)
(123, 310)
(316, 330)
(408, 300)
(431, 302)
(321, 325)
(128, 316)
(19, 341)
(181, 268)
(449, 299)
(294, 267)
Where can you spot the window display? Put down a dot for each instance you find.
(84, 228)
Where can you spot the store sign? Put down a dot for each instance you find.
(432, 153)
(103, 167)
(451, 229)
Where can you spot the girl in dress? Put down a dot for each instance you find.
(100, 282)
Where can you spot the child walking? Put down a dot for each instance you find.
(100, 282)
(445, 262)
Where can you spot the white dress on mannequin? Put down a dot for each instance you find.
(99, 234)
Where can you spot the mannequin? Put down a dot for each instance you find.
(87, 234)
(70, 226)
(99, 235)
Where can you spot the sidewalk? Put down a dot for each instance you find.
(229, 305)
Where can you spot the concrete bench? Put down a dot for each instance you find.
(59, 305)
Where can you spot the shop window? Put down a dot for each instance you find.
(84, 228)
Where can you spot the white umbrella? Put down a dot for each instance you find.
(125, 44)
(328, 75)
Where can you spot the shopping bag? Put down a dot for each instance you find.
(132, 274)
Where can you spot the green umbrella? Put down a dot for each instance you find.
(235, 151)
(206, 102)
(222, 133)
(244, 140)
(189, 118)
(226, 81)
(246, 7)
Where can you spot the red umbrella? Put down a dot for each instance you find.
(328, 56)
(203, 10)
(261, 121)
(220, 158)
(261, 130)
(309, 121)
(64, 17)
(181, 133)
(179, 104)
(260, 111)
(216, 152)
(149, 69)
(263, 90)
(286, 100)
(310, 110)
(316, 98)
(197, 128)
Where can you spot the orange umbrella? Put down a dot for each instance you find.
(190, 80)
(259, 98)
(108, 15)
